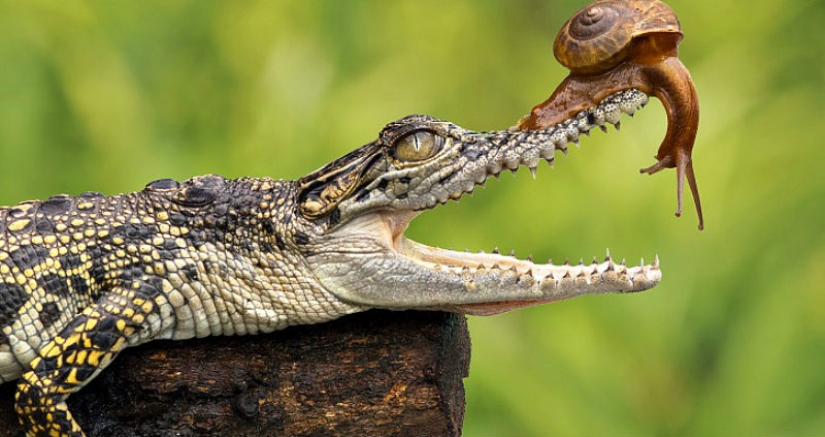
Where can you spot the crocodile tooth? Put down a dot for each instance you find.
(495, 250)
(513, 253)
(603, 128)
(530, 258)
(656, 263)
(567, 262)
(618, 125)
(533, 172)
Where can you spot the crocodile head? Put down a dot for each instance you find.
(358, 207)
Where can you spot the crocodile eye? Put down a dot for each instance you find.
(417, 146)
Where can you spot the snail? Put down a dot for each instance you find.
(614, 45)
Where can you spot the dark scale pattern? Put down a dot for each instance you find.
(83, 277)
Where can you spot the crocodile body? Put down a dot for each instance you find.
(83, 277)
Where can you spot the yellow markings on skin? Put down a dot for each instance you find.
(100, 221)
(157, 240)
(147, 307)
(175, 231)
(4, 269)
(78, 236)
(72, 377)
(102, 234)
(162, 215)
(65, 239)
(21, 279)
(78, 222)
(60, 227)
(160, 269)
(117, 240)
(49, 239)
(120, 324)
(94, 358)
(180, 242)
(163, 228)
(148, 220)
(37, 239)
(85, 205)
(89, 233)
(18, 225)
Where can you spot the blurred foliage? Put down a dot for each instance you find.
(106, 96)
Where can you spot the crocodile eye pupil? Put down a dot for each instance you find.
(417, 146)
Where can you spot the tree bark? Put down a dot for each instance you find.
(375, 373)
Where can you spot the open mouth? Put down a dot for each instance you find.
(538, 283)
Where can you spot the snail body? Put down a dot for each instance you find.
(614, 45)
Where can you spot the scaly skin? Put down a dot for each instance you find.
(81, 278)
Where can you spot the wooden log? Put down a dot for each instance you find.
(375, 373)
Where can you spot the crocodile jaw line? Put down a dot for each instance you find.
(397, 273)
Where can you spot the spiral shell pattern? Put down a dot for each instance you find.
(598, 37)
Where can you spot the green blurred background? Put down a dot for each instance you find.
(109, 95)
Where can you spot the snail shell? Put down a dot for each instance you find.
(600, 36)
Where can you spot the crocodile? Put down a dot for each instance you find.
(83, 277)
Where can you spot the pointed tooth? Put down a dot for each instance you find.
(603, 128)
(567, 275)
(607, 256)
(465, 269)
(618, 125)
(549, 261)
(656, 262)
(533, 172)
(495, 250)
(611, 266)
(481, 251)
(530, 258)
(595, 261)
(566, 262)
(513, 253)
(581, 261)
(642, 262)
(495, 267)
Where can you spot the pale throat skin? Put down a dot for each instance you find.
(83, 277)
(363, 257)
